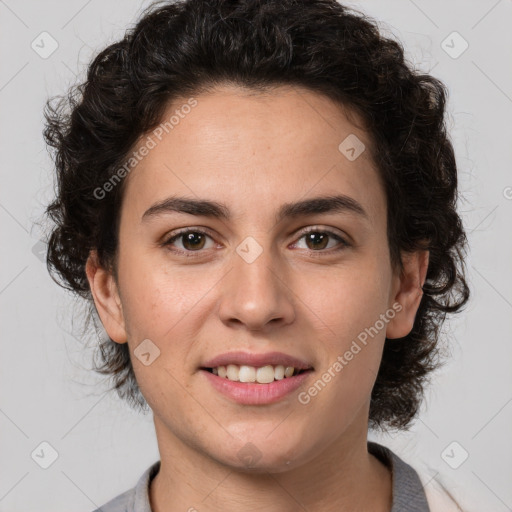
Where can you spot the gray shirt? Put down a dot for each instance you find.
(408, 493)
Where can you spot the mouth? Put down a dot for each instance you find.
(252, 374)
(245, 386)
(256, 379)
(247, 365)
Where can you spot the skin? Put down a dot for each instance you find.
(254, 152)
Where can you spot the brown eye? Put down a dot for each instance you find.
(192, 241)
(318, 240)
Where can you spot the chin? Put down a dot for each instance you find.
(264, 466)
(261, 458)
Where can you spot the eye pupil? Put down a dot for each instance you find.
(311, 236)
(190, 237)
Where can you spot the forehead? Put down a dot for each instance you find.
(254, 150)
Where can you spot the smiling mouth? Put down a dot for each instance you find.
(258, 375)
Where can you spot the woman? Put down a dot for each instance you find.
(258, 200)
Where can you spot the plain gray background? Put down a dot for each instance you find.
(48, 395)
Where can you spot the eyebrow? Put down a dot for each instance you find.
(213, 209)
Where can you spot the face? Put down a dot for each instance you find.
(309, 283)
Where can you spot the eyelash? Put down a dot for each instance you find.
(194, 254)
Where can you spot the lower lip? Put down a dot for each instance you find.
(253, 393)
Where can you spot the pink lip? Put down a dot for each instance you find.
(254, 393)
(256, 360)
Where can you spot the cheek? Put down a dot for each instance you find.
(155, 298)
(168, 308)
(352, 307)
(349, 299)
(155, 310)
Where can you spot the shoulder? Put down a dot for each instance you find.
(135, 499)
(121, 503)
(408, 492)
(419, 485)
(439, 498)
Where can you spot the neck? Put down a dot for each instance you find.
(343, 478)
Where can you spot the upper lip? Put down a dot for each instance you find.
(257, 360)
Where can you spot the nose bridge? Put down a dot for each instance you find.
(255, 293)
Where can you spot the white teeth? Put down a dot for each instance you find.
(232, 372)
(265, 374)
(247, 374)
(279, 372)
(262, 375)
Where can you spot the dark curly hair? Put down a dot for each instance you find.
(185, 48)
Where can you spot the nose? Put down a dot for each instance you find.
(255, 294)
